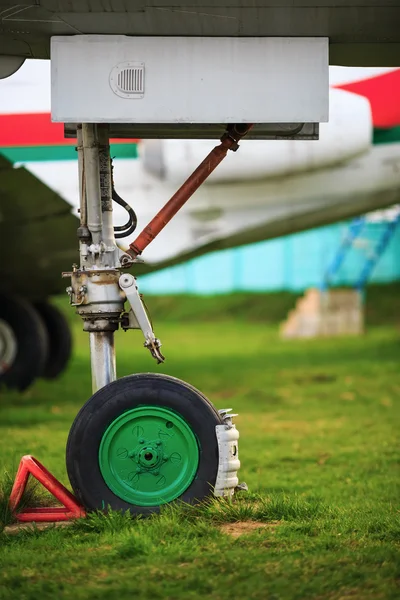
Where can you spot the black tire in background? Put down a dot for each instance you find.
(122, 395)
(31, 339)
(60, 339)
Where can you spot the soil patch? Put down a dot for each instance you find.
(15, 528)
(235, 530)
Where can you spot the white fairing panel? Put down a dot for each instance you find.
(122, 79)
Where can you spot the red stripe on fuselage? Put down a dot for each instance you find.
(35, 129)
(383, 93)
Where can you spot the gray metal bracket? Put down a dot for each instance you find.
(138, 318)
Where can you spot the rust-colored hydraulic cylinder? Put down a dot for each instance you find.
(229, 141)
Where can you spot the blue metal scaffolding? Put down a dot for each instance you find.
(373, 244)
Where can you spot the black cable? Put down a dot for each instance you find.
(132, 222)
(129, 227)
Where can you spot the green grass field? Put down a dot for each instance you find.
(319, 424)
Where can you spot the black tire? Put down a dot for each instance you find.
(112, 401)
(60, 339)
(32, 342)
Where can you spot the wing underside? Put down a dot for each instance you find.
(37, 234)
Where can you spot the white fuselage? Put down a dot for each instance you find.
(266, 189)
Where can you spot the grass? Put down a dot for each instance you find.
(33, 495)
(319, 423)
(382, 304)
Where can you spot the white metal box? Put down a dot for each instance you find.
(186, 80)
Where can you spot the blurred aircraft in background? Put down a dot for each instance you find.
(265, 190)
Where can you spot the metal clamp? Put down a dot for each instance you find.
(138, 317)
(227, 437)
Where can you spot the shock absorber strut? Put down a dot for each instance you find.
(99, 289)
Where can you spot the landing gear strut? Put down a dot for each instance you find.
(143, 440)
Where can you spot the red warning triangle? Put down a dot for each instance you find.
(71, 509)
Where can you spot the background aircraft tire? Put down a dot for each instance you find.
(60, 339)
(25, 331)
(143, 441)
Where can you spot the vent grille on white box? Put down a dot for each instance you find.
(131, 80)
(127, 80)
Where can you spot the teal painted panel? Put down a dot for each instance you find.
(295, 262)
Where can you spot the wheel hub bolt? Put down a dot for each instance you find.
(141, 441)
(165, 457)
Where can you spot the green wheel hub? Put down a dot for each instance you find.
(148, 456)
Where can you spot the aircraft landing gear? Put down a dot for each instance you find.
(59, 339)
(35, 341)
(23, 343)
(147, 439)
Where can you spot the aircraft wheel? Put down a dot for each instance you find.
(60, 339)
(23, 343)
(143, 441)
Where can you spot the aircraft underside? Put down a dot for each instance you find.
(360, 34)
(148, 439)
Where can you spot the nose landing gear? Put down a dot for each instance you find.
(148, 439)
